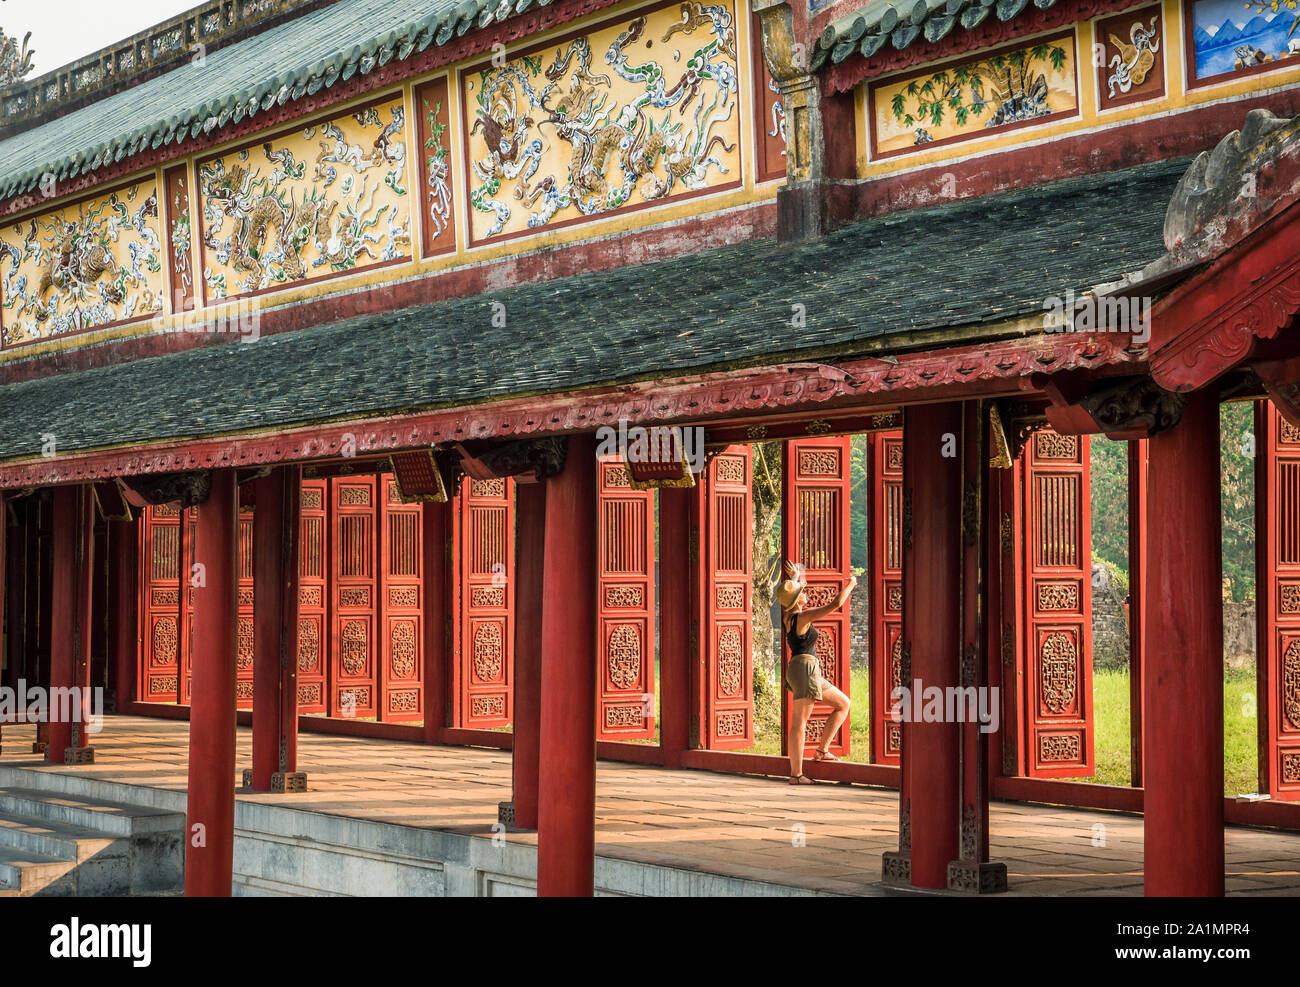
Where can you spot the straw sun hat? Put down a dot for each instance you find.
(790, 587)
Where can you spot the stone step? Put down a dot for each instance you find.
(112, 818)
(56, 839)
(24, 873)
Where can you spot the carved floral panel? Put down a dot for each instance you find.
(90, 264)
(325, 199)
(632, 113)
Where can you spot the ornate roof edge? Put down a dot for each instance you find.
(1005, 366)
(400, 43)
(147, 53)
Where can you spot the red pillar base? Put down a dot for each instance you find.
(969, 877)
(282, 782)
(78, 755)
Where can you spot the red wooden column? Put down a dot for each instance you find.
(675, 534)
(277, 500)
(210, 814)
(1183, 778)
(530, 548)
(437, 629)
(566, 810)
(930, 803)
(70, 604)
(4, 610)
(123, 601)
(1137, 597)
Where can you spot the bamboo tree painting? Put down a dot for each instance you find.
(998, 90)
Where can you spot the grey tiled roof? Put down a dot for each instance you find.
(301, 56)
(970, 263)
(899, 23)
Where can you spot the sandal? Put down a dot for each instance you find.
(821, 755)
(801, 780)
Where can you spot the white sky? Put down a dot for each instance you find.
(65, 30)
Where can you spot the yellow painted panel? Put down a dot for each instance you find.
(90, 264)
(328, 198)
(633, 113)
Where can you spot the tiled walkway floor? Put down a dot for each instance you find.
(726, 824)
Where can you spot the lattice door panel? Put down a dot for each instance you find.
(162, 630)
(886, 585)
(402, 605)
(313, 596)
(1277, 502)
(485, 564)
(244, 626)
(727, 559)
(816, 535)
(354, 679)
(625, 604)
(1058, 618)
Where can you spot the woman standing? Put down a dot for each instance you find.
(803, 676)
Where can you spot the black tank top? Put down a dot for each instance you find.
(801, 644)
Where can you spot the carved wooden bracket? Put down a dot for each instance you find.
(190, 489)
(543, 458)
(1133, 408)
(1281, 379)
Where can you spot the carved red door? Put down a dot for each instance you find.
(313, 593)
(244, 606)
(402, 608)
(625, 604)
(1058, 595)
(353, 671)
(886, 586)
(1277, 505)
(485, 544)
(188, 519)
(816, 536)
(161, 628)
(728, 573)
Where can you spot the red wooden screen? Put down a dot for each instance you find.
(402, 605)
(353, 679)
(886, 586)
(188, 518)
(161, 630)
(625, 605)
(1058, 607)
(816, 535)
(726, 559)
(484, 652)
(1277, 502)
(313, 641)
(244, 625)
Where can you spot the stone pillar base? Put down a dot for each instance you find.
(77, 755)
(281, 781)
(506, 814)
(38, 747)
(896, 868)
(969, 877)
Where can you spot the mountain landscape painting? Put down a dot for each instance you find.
(1232, 35)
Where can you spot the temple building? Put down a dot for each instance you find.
(455, 375)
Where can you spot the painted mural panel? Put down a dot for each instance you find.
(325, 199)
(1001, 90)
(627, 115)
(1234, 36)
(180, 239)
(770, 110)
(88, 265)
(432, 106)
(1133, 62)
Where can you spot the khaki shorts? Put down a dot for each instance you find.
(803, 677)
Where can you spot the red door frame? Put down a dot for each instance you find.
(885, 584)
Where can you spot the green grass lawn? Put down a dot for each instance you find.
(1111, 720)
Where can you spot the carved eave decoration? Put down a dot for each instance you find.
(1011, 423)
(529, 459)
(189, 489)
(1131, 408)
(1237, 210)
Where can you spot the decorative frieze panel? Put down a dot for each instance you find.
(321, 200)
(770, 113)
(92, 264)
(1012, 87)
(1131, 68)
(432, 108)
(629, 114)
(1233, 37)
